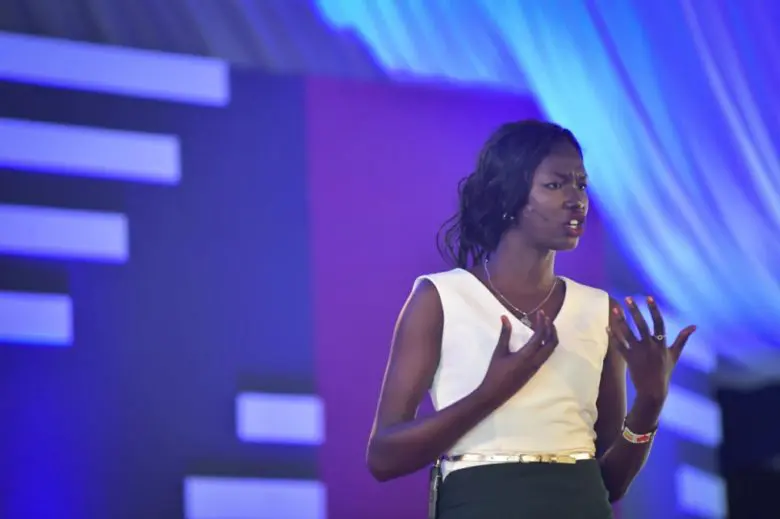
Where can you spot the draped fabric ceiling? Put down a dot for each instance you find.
(674, 103)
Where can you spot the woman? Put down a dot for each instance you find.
(520, 362)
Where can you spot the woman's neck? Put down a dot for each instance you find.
(521, 268)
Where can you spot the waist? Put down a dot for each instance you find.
(564, 457)
(528, 433)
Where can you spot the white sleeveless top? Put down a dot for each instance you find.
(555, 412)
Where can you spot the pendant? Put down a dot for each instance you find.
(526, 321)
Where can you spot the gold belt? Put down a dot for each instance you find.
(573, 457)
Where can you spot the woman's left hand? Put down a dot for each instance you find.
(650, 362)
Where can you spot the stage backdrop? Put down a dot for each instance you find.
(155, 289)
(200, 270)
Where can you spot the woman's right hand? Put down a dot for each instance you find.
(509, 371)
(402, 442)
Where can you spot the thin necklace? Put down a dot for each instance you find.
(523, 315)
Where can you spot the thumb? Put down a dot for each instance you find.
(502, 348)
(680, 341)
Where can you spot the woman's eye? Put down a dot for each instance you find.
(553, 185)
(583, 187)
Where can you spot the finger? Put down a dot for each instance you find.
(547, 348)
(682, 339)
(549, 329)
(619, 344)
(639, 319)
(547, 325)
(503, 338)
(552, 341)
(619, 325)
(541, 329)
(619, 335)
(548, 333)
(537, 339)
(659, 328)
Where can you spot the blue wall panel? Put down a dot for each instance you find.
(210, 301)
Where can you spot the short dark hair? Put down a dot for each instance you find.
(498, 188)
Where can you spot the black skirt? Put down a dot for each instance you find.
(525, 491)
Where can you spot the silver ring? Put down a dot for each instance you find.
(659, 337)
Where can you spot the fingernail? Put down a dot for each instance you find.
(615, 311)
(650, 299)
(630, 300)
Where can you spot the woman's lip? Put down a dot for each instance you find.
(575, 232)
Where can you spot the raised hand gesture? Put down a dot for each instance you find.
(509, 371)
(650, 362)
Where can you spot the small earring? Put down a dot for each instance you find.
(507, 216)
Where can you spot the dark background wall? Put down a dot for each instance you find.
(212, 300)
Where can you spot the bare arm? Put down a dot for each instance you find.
(401, 443)
(620, 459)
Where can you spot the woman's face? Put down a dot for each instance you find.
(554, 217)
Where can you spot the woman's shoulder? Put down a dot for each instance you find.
(446, 284)
(443, 275)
